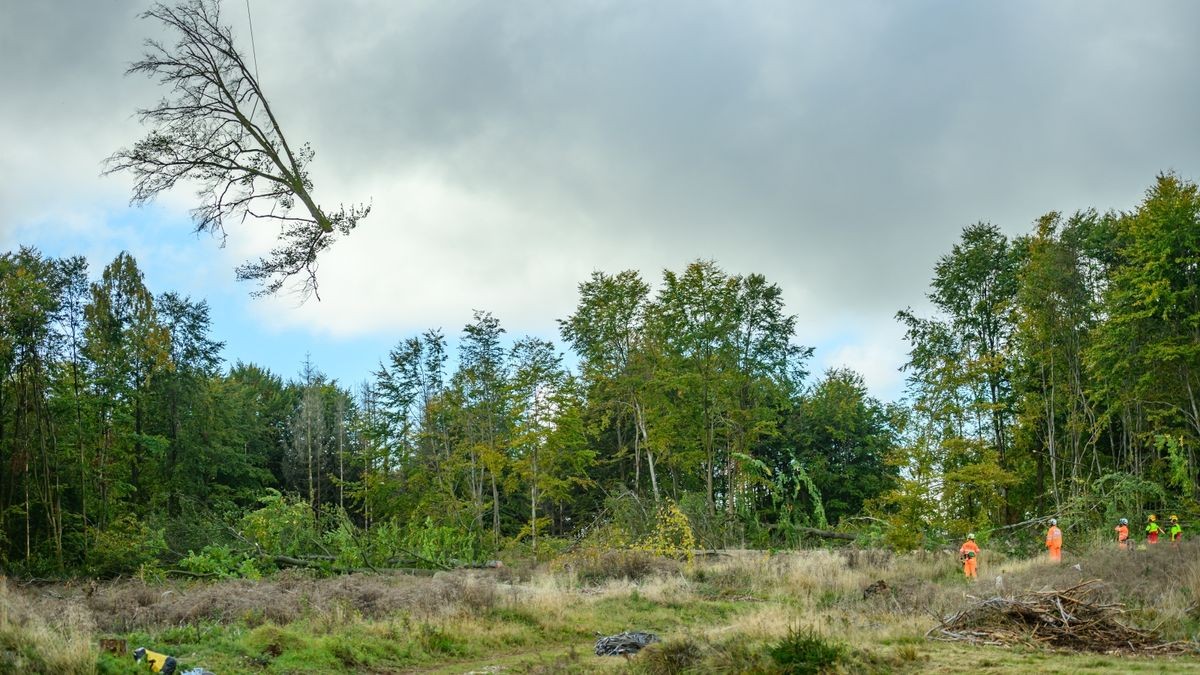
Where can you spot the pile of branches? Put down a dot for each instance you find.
(624, 643)
(1057, 619)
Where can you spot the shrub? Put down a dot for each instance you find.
(716, 529)
(220, 562)
(441, 545)
(672, 536)
(273, 640)
(592, 566)
(427, 545)
(805, 651)
(282, 525)
(671, 657)
(126, 546)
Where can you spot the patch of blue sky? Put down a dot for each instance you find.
(175, 258)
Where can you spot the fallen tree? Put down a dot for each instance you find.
(826, 534)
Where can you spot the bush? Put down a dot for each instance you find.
(592, 566)
(672, 535)
(126, 546)
(220, 562)
(630, 519)
(805, 651)
(282, 525)
(518, 551)
(428, 545)
(669, 658)
(442, 545)
(197, 526)
(713, 530)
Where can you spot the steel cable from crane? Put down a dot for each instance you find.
(254, 55)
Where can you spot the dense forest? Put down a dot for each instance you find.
(1059, 374)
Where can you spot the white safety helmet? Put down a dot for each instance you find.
(971, 535)
(1124, 521)
(1054, 521)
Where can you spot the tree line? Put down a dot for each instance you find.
(1059, 373)
(1056, 376)
(121, 426)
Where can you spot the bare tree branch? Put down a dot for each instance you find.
(215, 129)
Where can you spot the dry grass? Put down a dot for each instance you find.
(33, 640)
(596, 566)
(744, 599)
(131, 605)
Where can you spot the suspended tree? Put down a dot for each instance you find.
(216, 129)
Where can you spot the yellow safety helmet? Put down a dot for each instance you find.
(1174, 518)
(1153, 517)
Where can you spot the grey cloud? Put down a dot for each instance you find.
(772, 133)
(836, 147)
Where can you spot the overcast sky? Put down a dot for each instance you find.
(510, 148)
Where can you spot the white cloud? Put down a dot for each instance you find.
(431, 252)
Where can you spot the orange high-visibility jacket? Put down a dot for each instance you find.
(969, 546)
(1122, 532)
(1054, 537)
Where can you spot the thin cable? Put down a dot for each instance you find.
(254, 53)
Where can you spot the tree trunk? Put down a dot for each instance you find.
(640, 419)
(495, 509)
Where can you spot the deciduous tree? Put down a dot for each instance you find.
(216, 129)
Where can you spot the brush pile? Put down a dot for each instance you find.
(1055, 619)
(624, 643)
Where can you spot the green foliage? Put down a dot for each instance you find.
(282, 525)
(1113, 496)
(444, 545)
(672, 536)
(804, 652)
(789, 486)
(126, 546)
(1058, 373)
(711, 529)
(842, 437)
(1181, 475)
(221, 562)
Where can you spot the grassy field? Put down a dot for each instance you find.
(737, 611)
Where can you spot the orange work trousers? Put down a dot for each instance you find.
(969, 567)
(1056, 554)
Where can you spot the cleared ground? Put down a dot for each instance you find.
(721, 613)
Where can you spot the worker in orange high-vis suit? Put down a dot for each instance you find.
(969, 554)
(1122, 531)
(1054, 541)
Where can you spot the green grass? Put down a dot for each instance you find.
(951, 658)
(357, 645)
